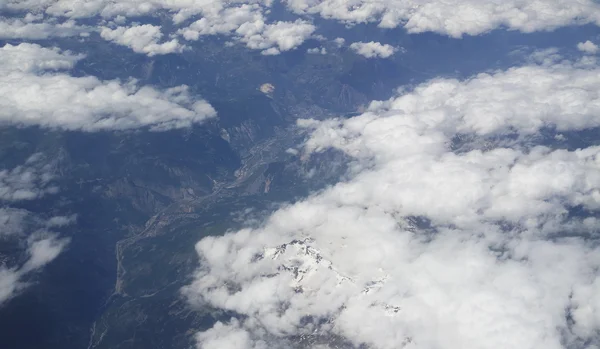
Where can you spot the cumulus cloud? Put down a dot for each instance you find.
(31, 58)
(244, 20)
(225, 21)
(587, 47)
(180, 9)
(279, 36)
(35, 95)
(339, 41)
(453, 230)
(248, 25)
(373, 49)
(316, 50)
(455, 17)
(141, 39)
(33, 28)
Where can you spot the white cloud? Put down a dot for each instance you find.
(453, 17)
(29, 181)
(226, 21)
(32, 58)
(245, 20)
(34, 96)
(587, 47)
(497, 102)
(248, 25)
(14, 222)
(31, 29)
(180, 9)
(373, 49)
(283, 35)
(339, 41)
(9, 282)
(41, 251)
(446, 234)
(60, 221)
(141, 39)
(317, 50)
(228, 336)
(456, 17)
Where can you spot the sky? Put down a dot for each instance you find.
(465, 218)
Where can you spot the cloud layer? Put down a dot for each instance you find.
(455, 228)
(242, 19)
(34, 28)
(34, 93)
(455, 17)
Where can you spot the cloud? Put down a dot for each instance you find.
(181, 10)
(456, 17)
(225, 21)
(32, 58)
(30, 28)
(247, 24)
(282, 36)
(11, 221)
(141, 39)
(29, 181)
(60, 221)
(317, 50)
(77, 9)
(15, 222)
(494, 103)
(41, 251)
(373, 49)
(339, 41)
(587, 47)
(9, 282)
(228, 336)
(34, 95)
(453, 229)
